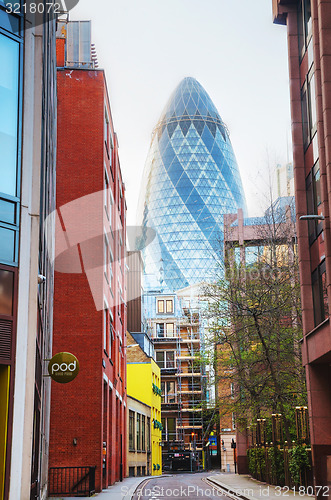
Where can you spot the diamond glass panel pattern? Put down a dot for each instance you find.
(191, 180)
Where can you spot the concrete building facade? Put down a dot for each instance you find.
(144, 408)
(309, 31)
(88, 417)
(27, 197)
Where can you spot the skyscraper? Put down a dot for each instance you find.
(191, 179)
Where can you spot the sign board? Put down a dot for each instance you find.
(63, 367)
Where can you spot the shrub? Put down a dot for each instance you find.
(298, 462)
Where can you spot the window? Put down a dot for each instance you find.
(320, 297)
(9, 101)
(106, 188)
(108, 261)
(165, 359)
(170, 329)
(106, 131)
(314, 202)
(110, 333)
(143, 432)
(159, 358)
(169, 425)
(170, 359)
(131, 471)
(138, 432)
(148, 432)
(168, 392)
(304, 25)
(164, 431)
(6, 292)
(308, 106)
(169, 306)
(160, 329)
(9, 139)
(105, 328)
(160, 306)
(131, 430)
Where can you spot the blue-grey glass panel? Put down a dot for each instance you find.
(7, 245)
(7, 212)
(8, 22)
(6, 292)
(9, 81)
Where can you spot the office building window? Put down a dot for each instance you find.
(148, 433)
(105, 328)
(138, 431)
(160, 306)
(143, 433)
(10, 91)
(108, 261)
(106, 130)
(110, 337)
(9, 102)
(131, 430)
(6, 292)
(320, 296)
(308, 107)
(314, 202)
(304, 25)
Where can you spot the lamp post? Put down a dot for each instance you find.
(312, 217)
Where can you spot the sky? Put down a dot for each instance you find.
(231, 47)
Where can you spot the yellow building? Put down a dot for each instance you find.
(144, 392)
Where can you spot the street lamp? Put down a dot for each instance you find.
(312, 217)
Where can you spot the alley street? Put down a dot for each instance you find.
(187, 485)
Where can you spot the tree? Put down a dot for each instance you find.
(255, 322)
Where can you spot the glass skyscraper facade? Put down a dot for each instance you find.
(191, 180)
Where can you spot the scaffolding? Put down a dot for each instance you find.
(187, 371)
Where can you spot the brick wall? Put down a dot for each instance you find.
(91, 409)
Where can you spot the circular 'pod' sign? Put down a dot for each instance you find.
(63, 367)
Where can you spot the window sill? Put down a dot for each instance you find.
(111, 362)
(106, 353)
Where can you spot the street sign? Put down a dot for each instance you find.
(63, 367)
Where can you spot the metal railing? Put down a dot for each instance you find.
(78, 481)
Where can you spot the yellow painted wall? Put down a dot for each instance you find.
(4, 403)
(140, 377)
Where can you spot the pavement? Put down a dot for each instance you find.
(119, 491)
(246, 488)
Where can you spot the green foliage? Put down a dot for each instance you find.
(156, 390)
(298, 462)
(276, 457)
(256, 461)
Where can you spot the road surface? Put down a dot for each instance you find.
(190, 486)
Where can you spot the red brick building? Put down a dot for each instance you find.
(309, 34)
(88, 415)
